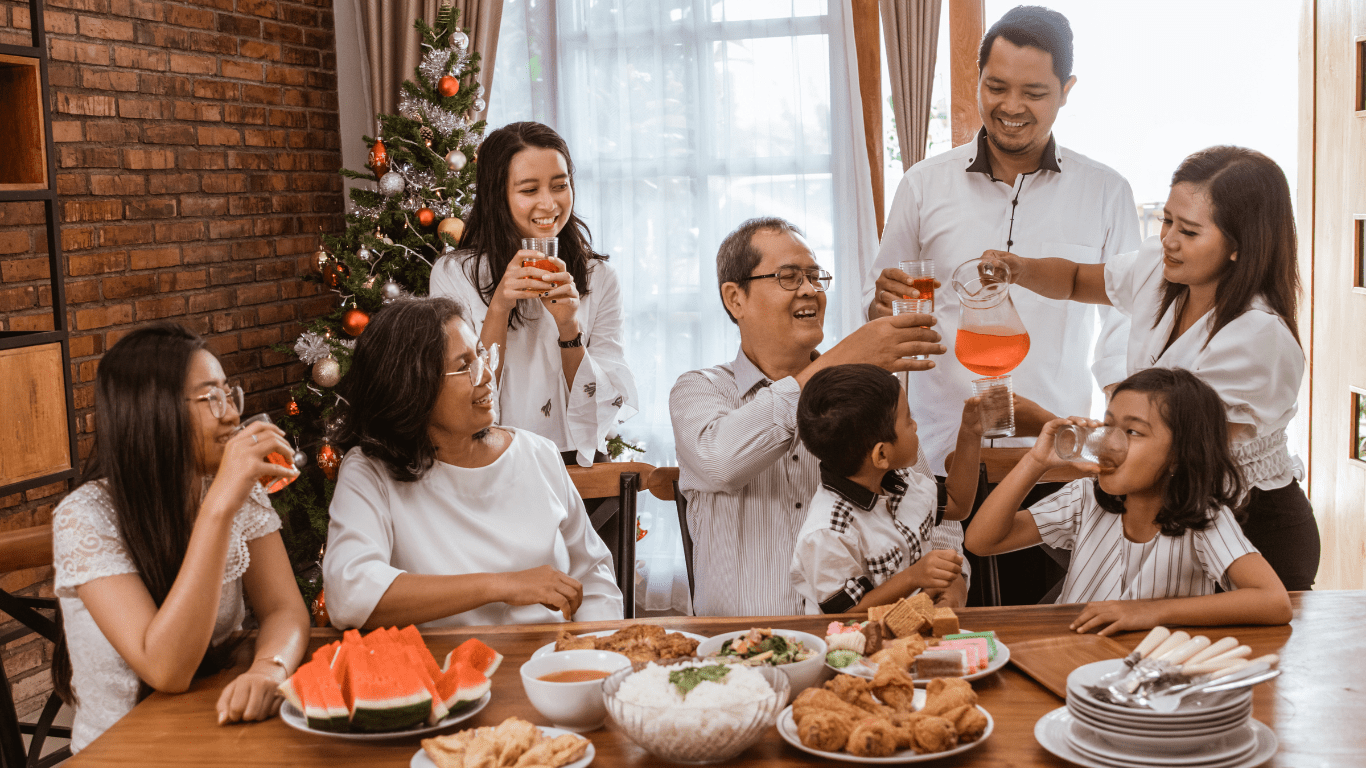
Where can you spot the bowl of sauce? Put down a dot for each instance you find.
(566, 686)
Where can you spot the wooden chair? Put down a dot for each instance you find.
(620, 481)
(663, 485)
(20, 550)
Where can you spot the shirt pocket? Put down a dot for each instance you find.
(1079, 254)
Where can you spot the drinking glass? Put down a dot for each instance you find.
(548, 247)
(997, 410)
(271, 482)
(1104, 445)
(921, 272)
(913, 307)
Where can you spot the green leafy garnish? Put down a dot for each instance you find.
(688, 679)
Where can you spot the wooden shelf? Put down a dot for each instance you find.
(23, 163)
(33, 439)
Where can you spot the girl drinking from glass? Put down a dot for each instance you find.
(1217, 295)
(171, 529)
(564, 373)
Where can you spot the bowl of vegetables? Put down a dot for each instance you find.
(799, 654)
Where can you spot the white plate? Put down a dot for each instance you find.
(868, 670)
(1237, 743)
(1194, 706)
(1053, 734)
(1189, 727)
(1141, 731)
(787, 728)
(550, 647)
(420, 760)
(295, 719)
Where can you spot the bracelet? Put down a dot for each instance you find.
(277, 660)
(577, 341)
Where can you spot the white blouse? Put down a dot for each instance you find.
(519, 512)
(87, 545)
(1106, 565)
(532, 393)
(1254, 362)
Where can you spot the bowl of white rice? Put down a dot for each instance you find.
(695, 710)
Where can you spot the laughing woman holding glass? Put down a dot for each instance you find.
(156, 550)
(564, 373)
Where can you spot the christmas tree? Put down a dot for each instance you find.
(423, 163)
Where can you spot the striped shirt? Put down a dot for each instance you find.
(1106, 565)
(748, 481)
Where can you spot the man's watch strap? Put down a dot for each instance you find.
(577, 341)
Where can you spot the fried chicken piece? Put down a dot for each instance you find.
(826, 730)
(820, 700)
(969, 721)
(856, 691)
(934, 734)
(676, 646)
(945, 693)
(872, 737)
(894, 687)
(904, 723)
(567, 641)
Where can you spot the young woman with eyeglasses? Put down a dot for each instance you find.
(440, 517)
(564, 373)
(170, 529)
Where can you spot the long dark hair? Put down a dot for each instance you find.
(1251, 202)
(491, 233)
(396, 373)
(146, 453)
(1202, 475)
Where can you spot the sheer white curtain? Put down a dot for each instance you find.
(685, 118)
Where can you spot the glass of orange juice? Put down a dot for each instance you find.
(548, 247)
(271, 482)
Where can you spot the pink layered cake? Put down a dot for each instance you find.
(978, 652)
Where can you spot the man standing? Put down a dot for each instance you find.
(743, 469)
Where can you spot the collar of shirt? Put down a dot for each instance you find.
(982, 162)
(856, 494)
(747, 374)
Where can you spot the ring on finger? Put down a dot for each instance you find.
(254, 441)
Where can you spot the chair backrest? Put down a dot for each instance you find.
(622, 481)
(663, 484)
(25, 548)
(602, 480)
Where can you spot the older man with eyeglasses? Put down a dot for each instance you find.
(746, 475)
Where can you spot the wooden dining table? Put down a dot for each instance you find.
(1317, 706)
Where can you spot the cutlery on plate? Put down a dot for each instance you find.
(1246, 676)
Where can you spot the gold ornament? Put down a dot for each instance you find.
(452, 226)
(327, 372)
(320, 261)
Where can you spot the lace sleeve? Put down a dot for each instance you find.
(255, 519)
(86, 544)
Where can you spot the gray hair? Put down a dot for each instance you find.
(737, 257)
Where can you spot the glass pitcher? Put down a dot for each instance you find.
(991, 339)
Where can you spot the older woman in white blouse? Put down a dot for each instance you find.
(439, 517)
(1217, 295)
(564, 373)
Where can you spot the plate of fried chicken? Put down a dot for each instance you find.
(885, 720)
(638, 642)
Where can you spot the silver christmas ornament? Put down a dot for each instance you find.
(327, 372)
(391, 184)
(456, 160)
(479, 105)
(460, 39)
(390, 290)
(365, 254)
(300, 459)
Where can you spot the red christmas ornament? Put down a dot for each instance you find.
(320, 617)
(425, 216)
(337, 275)
(379, 159)
(293, 408)
(354, 321)
(328, 461)
(448, 86)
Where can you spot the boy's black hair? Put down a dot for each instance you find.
(1033, 26)
(1202, 475)
(844, 411)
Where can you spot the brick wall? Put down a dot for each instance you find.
(197, 149)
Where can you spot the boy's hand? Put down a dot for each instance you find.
(936, 570)
(1111, 616)
(972, 416)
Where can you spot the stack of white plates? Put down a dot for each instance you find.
(1214, 731)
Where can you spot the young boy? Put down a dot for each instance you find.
(871, 535)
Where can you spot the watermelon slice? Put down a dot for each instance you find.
(461, 685)
(412, 638)
(315, 693)
(478, 656)
(389, 695)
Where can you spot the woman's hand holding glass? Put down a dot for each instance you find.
(561, 300)
(523, 282)
(244, 463)
(1043, 453)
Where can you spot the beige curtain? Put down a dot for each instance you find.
(393, 48)
(911, 29)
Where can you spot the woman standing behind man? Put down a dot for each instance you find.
(563, 373)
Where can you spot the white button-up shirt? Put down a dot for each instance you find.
(950, 209)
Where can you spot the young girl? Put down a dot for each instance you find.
(564, 374)
(1217, 295)
(1151, 536)
(154, 552)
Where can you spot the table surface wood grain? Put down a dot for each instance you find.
(1316, 707)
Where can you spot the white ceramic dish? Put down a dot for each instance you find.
(420, 760)
(1142, 735)
(861, 669)
(1237, 743)
(801, 674)
(1053, 732)
(550, 647)
(1205, 727)
(295, 719)
(576, 706)
(1192, 707)
(787, 728)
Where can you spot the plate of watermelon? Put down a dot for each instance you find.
(386, 685)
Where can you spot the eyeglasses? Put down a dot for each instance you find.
(791, 278)
(220, 398)
(486, 359)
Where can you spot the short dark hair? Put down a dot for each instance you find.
(1250, 198)
(737, 257)
(388, 394)
(844, 411)
(1203, 475)
(1036, 27)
